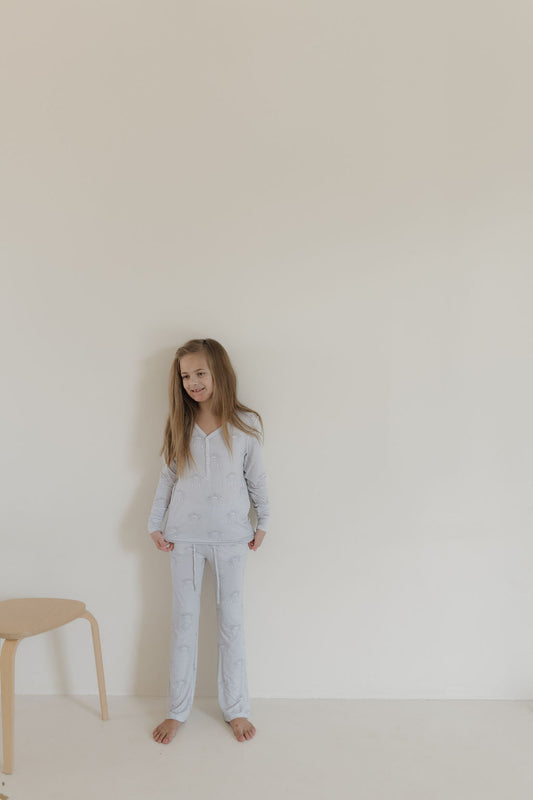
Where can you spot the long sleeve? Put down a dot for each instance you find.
(167, 479)
(255, 476)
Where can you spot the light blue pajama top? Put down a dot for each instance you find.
(210, 504)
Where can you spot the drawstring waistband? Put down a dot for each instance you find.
(216, 572)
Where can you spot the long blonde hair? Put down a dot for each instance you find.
(183, 410)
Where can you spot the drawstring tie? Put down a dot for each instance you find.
(216, 572)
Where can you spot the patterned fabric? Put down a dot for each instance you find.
(227, 561)
(210, 503)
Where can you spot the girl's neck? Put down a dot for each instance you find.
(206, 414)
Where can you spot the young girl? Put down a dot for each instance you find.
(213, 467)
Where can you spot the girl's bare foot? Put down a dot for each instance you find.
(242, 728)
(165, 732)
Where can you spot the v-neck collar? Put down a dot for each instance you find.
(207, 435)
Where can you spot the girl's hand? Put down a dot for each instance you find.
(257, 540)
(160, 541)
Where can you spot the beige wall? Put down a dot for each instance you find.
(341, 193)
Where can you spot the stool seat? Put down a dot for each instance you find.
(29, 616)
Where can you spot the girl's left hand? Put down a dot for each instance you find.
(259, 535)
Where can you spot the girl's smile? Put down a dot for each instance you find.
(193, 370)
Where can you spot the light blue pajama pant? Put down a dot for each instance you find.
(227, 562)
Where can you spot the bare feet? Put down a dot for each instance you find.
(165, 732)
(242, 728)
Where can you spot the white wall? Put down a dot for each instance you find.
(341, 193)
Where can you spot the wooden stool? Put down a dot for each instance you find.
(28, 617)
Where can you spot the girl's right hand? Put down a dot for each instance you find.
(160, 541)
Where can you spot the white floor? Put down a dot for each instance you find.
(365, 749)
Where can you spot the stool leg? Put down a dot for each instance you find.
(7, 677)
(99, 663)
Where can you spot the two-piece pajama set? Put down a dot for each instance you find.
(207, 520)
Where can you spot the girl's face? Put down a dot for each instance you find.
(196, 377)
